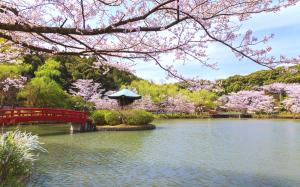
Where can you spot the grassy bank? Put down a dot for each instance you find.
(283, 115)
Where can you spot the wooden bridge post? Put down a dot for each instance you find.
(75, 127)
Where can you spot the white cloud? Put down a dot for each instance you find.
(267, 21)
(285, 25)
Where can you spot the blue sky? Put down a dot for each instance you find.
(284, 24)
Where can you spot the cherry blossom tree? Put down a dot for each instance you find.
(145, 103)
(141, 30)
(291, 91)
(85, 88)
(9, 88)
(292, 103)
(92, 92)
(202, 84)
(249, 101)
(178, 104)
(15, 82)
(276, 88)
(104, 103)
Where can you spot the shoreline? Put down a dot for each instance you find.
(227, 116)
(123, 127)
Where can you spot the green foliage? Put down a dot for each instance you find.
(75, 67)
(78, 103)
(60, 72)
(17, 153)
(8, 97)
(98, 117)
(158, 93)
(260, 78)
(11, 70)
(137, 117)
(113, 118)
(35, 61)
(44, 92)
(129, 117)
(49, 69)
(202, 99)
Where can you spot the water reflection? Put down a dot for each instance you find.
(178, 153)
(42, 129)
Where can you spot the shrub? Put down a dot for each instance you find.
(17, 153)
(130, 117)
(98, 117)
(78, 103)
(113, 118)
(137, 117)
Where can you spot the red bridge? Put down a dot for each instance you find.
(14, 116)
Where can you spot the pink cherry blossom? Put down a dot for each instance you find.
(15, 82)
(250, 101)
(85, 88)
(137, 31)
(104, 103)
(92, 92)
(145, 103)
(178, 104)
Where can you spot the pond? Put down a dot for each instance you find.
(178, 153)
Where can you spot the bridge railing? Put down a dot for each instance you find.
(13, 116)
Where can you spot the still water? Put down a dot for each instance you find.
(178, 153)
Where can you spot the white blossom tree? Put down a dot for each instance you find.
(292, 103)
(92, 92)
(85, 88)
(249, 101)
(292, 91)
(9, 88)
(140, 30)
(145, 103)
(104, 103)
(178, 104)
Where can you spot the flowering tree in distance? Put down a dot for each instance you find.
(145, 103)
(178, 104)
(250, 101)
(115, 30)
(104, 103)
(85, 88)
(292, 103)
(91, 91)
(9, 87)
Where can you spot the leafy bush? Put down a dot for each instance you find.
(137, 117)
(17, 153)
(44, 92)
(98, 117)
(78, 103)
(113, 118)
(129, 117)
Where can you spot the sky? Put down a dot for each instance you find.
(284, 24)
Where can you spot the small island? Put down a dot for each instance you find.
(122, 120)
